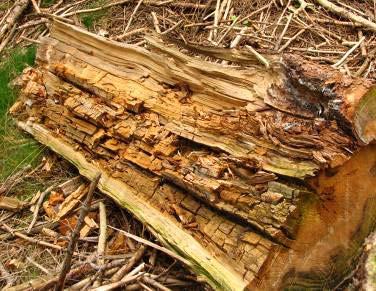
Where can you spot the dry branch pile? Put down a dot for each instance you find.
(338, 33)
(108, 253)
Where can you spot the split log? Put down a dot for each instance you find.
(249, 173)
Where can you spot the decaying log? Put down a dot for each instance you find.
(250, 174)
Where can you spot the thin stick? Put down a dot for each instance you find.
(97, 8)
(130, 33)
(8, 38)
(153, 245)
(283, 31)
(39, 266)
(287, 43)
(132, 15)
(5, 17)
(226, 32)
(126, 268)
(47, 282)
(30, 239)
(102, 240)
(108, 269)
(11, 20)
(347, 14)
(362, 45)
(36, 7)
(216, 19)
(118, 284)
(38, 205)
(154, 283)
(30, 40)
(172, 27)
(75, 235)
(262, 59)
(346, 55)
(32, 23)
(155, 22)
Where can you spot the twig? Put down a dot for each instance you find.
(16, 11)
(53, 16)
(130, 33)
(226, 32)
(30, 40)
(75, 234)
(153, 245)
(347, 14)
(39, 266)
(109, 269)
(153, 257)
(32, 23)
(213, 33)
(132, 15)
(118, 284)
(144, 287)
(362, 45)
(97, 8)
(228, 6)
(262, 59)
(148, 280)
(38, 205)
(283, 31)
(255, 12)
(8, 38)
(366, 63)
(126, 268)
(5, 17)
(34, 230)
(101, 241)
(30, 239)
(346, 55)
(172, 27)
(238, 38)
(36, 7)
(14, 179)
(155, 22)
(287, 43)
(46, 283)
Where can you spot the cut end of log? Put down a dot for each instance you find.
(365, 117)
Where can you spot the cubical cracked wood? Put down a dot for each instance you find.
(259, 178)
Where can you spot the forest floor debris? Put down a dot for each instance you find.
(106, 256)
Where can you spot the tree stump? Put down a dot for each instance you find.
(260, 178)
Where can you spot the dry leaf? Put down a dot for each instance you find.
(56, 198)
(67, 225)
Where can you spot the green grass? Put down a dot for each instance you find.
(89, 19)
(16, 149)
(46, 3)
